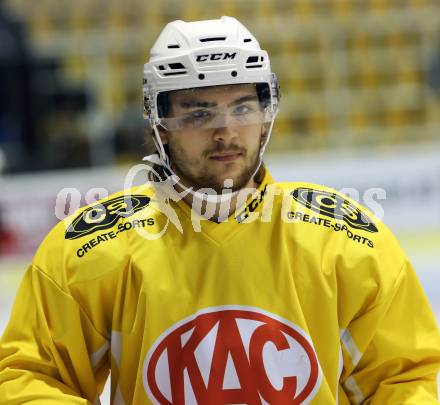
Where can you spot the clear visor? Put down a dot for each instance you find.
(215, 107)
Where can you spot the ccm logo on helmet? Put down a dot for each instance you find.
(232, 355)
(216, 56)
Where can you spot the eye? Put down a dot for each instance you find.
(199, 114)
(243, 109)
(196, 118)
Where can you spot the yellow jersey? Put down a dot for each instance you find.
(302, 296)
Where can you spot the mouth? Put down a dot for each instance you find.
(226, 156)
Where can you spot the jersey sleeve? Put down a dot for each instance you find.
(50, 353)
(391, 352)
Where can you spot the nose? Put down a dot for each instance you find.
(225, 131)
(224, 134)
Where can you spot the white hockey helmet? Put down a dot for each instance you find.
(201, 54)
(190, 55)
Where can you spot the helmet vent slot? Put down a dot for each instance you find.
(174, 73)
(176, 65)
(172, 69)
(252, 59)
(247, 40)
(254, 62)
(212, 39)
(173, 46)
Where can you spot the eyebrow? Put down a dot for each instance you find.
(249, 97)
(208, 104)
(197, 103)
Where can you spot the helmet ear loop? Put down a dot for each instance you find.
(263, 134)
(159, 145)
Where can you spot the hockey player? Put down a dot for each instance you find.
(191, 293)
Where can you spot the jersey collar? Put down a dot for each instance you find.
(220, 232)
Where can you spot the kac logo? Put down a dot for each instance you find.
(232, 355)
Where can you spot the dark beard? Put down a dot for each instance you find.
(203, 180)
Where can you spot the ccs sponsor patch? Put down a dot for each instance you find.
(333, 206)
(106, 236)
(105, 215)
(335, 225)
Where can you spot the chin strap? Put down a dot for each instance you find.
(161, 159)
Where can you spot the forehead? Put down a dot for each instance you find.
(218, 94)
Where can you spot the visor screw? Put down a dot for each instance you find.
(201, 76)
(234, 73)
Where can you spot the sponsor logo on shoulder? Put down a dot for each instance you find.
(334, 206)
(235, 355)
(105, 215)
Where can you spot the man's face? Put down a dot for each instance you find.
(203, 156)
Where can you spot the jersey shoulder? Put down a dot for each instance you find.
(340, 217)
(347, 235)
(92, 238)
